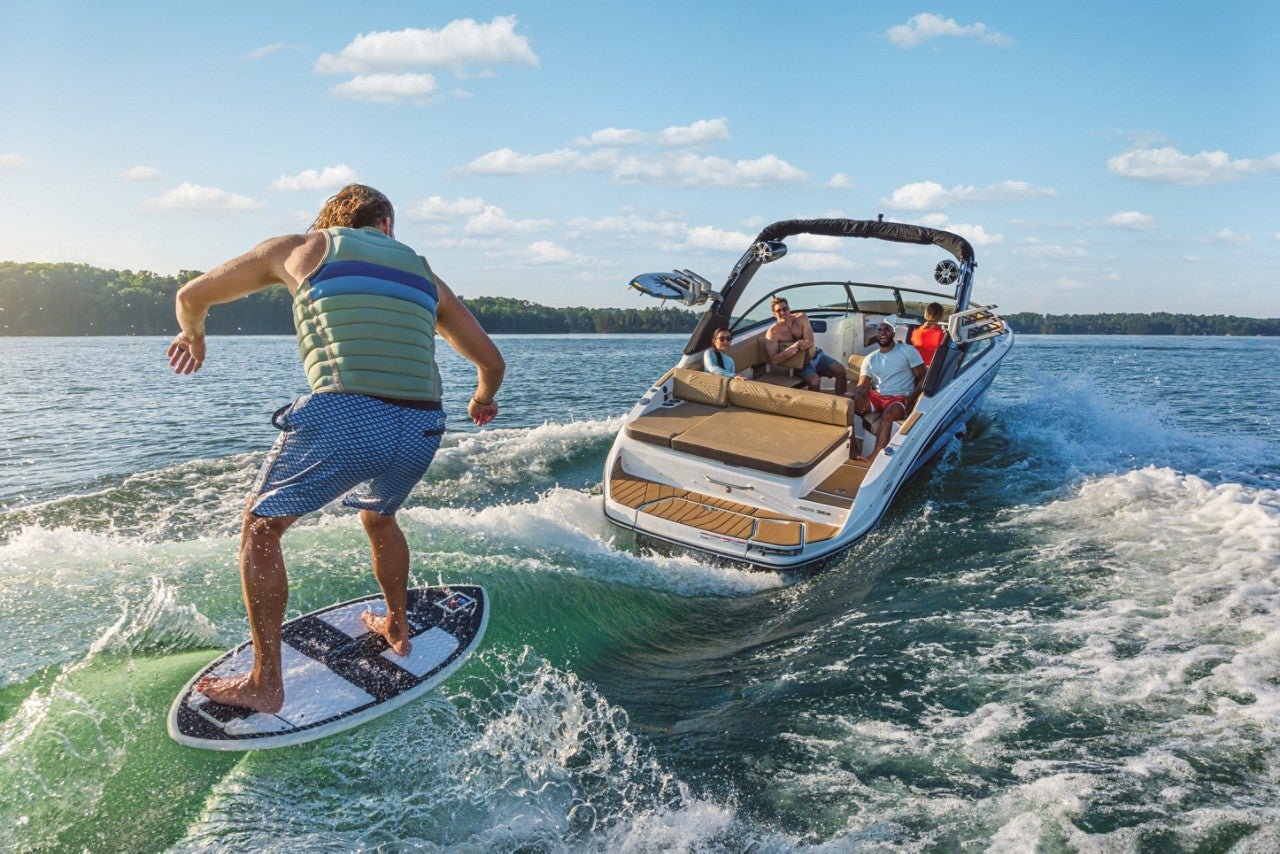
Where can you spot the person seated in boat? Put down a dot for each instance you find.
(716, 358)
(792, 334)
(929, 337)
(889, 382)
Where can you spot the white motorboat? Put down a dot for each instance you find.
(758, 468)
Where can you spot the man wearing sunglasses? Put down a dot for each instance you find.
(792, 334)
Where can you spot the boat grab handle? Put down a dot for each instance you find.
(728, 487)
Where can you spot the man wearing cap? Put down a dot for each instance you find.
(889, 382)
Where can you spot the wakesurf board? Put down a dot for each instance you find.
(337, 674)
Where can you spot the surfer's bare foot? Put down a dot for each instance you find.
(398, 640)
(243, 692)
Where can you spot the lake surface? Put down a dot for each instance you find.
(1064, 636)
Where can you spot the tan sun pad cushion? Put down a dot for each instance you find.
(700, 387)
(791, 402)
(658, 427)
(761, 441)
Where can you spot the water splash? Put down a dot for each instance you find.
(1126, 682)
(565, 531)
(521, 756)
(81, 734)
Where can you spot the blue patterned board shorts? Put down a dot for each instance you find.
(331, 443)
(821, 363)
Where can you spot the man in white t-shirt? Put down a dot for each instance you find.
(889, 383)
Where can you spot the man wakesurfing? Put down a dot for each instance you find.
(366, 308)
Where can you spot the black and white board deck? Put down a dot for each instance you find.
(337, 674)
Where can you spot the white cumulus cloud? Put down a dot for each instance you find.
(328, 178)
(690, 170)
(617, 138)
(839, 181)
(975, 234)
(193, 198)
(929, 195)
(506, 161)
(141, 173)
(1135, 220)
(686, 168)
(493, 221)
(13, 161)
(630, 225)
(1168, 165)
(543, 252)
(927, 26)
(458, 45)
(710, 237)
(677, 136)
(386, 88)
(440, 209)
(698, 133)
(1035, 248)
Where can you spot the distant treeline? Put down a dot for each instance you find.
(77, 299)
(1156, 323)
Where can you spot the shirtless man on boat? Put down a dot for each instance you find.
(889, 382)
(793, 334)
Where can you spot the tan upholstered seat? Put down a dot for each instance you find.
(793, 403)
(700, 387)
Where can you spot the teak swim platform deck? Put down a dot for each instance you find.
(715, 515)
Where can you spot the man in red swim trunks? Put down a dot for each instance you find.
(889, 382)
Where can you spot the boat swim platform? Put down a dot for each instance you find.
(731, 518)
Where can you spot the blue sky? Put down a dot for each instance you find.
(1099, 156)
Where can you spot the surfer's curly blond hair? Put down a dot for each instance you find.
(354, 206)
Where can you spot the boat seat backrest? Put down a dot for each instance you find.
(791, 402)
(700, 387)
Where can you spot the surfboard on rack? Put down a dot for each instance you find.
(337, 674)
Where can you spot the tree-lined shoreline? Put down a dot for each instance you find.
(79, 300)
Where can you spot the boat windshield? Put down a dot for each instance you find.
(833, 299)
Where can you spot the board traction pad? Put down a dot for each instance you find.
(335, 668)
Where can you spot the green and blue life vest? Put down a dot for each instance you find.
(366, 318)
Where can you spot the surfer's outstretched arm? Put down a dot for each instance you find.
(463, 332)
(273, 261)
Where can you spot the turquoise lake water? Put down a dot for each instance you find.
(1064, 636)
